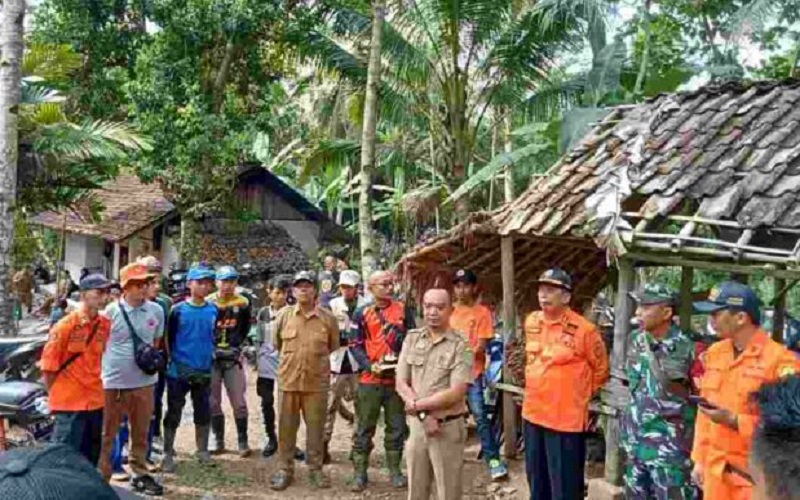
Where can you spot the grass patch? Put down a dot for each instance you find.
(193, 474)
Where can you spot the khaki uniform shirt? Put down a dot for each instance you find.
(435, 366)
(305, 344)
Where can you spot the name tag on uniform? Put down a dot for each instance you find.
(755, 372)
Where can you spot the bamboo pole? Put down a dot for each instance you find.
(709, 222)
(711, 252)
(779, 309)
(509, 332)
(687, 279)
(623, 310)
(670, 260)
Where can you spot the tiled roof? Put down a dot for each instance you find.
(128, 207)
(732, 150)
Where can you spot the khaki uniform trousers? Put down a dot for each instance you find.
(312, 405)
(435, 460)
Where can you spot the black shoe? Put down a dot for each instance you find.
(326, 456)
(270, 448)
(299, 455)
(147, 485)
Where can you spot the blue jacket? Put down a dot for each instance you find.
(191, 338)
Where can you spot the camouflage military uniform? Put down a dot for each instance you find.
(657, 426)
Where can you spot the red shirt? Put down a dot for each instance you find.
(378, 331)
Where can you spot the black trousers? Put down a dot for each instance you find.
(554, 463)
(81, 430)
(177, 389)
(265, 388)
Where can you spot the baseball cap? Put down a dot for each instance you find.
(303, 276)
(734, 296)
(94, 282)
(134, 272)
(51, 472)
(349, 278)
(653, 293)
(465, 276)
(200, 272)
(556, 277)
(227, 273)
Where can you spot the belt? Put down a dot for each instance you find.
(450, 418)
(732, 469)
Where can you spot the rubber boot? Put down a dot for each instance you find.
(241, 431)
(168, 462)
(360, 480)
(218, 428)
(271, 446)
(201, 434)
(396, 476)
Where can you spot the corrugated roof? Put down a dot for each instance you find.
(732, 149)
(128, 207)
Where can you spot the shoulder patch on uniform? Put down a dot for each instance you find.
(786, 370)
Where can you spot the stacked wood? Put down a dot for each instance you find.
(515, 356)
(266, 246)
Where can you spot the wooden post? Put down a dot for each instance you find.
(779, 309)
(687, 278)
(509, 331)
(623, 310)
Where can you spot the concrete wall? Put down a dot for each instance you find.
(83, 251)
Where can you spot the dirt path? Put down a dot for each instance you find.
(233, 477)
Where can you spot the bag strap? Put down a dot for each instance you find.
(655, 366)
(77, 355)
(137, 341)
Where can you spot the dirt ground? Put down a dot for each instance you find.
(233, 477)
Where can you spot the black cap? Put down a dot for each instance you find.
(303, 276)
(465, 276)
(54, 472)
(94, 282)
(734, 296)
(556, 277)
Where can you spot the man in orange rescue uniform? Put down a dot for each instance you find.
(735, 368)
(474, 322)
(71, 363)
(566, 362)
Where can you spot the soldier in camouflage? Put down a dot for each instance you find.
(657, 426)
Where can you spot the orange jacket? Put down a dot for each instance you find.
(728, 382)
(566, 362)
(78, 387)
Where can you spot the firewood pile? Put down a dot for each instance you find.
(515, 354)
(266, 246)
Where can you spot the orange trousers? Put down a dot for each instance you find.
(729, 486)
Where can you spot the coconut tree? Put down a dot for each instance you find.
(11, 46)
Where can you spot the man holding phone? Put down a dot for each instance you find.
(735, 368)
(658, 424)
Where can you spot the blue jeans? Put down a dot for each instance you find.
(119, 442)
(490, 448)
(81, 430)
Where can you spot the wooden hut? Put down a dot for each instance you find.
(708, 179)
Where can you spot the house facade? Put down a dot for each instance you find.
(138, 219)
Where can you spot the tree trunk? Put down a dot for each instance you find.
(11, 46)
(508, 147)
(368, 257)
(640, 78)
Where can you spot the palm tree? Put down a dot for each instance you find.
(446, 66)
(11, 47)
(368, 260)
